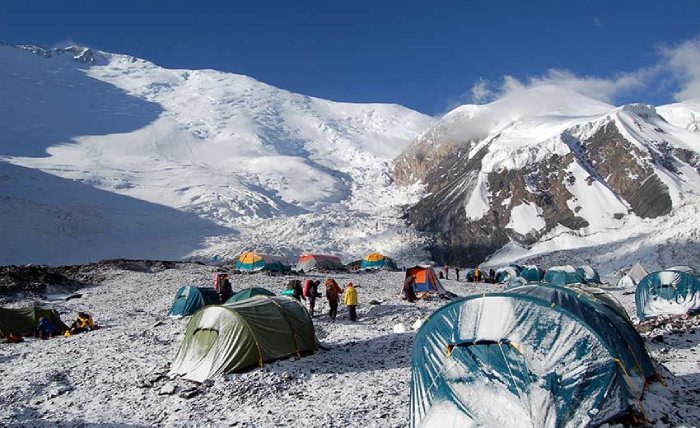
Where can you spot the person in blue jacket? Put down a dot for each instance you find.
(45, 328)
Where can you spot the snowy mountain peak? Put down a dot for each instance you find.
(239, 163)
(546, 162)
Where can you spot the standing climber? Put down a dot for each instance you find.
(333, 291)
(351, 301)
(311, 293)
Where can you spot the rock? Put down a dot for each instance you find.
(167, 389)
(659, 338)
(285, 376)
(374, 302)
(400, 328)
(189, 393)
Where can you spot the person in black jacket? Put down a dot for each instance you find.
(311, 293)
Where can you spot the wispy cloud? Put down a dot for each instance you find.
(683, 63)
(677, 64)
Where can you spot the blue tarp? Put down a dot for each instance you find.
(667, 292)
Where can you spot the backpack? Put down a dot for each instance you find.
(331, 292)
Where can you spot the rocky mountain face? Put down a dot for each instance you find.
(503, 173)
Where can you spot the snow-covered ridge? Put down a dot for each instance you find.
(578, 165)
(224, 148)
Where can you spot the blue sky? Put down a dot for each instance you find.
(429, 56)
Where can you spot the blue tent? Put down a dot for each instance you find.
(589, 274)
(540, 357)
(532, 273)
(667, 292)
(505, 274)
(604, 316)
(562, 275)
(189, 299)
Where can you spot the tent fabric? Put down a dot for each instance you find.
(226, 338)
(518, 360)
(685, 269)
(562, 275)
(602, 295)
(505, 274)
(589, 274)
(322, 262)
(605, 316)
(248, 293)
(378, 261)
(23, 321)
(667, 292)
(531, 273)
(252, 262)
(426, 280)
(518, 281)
(637, 273)
(189, 299)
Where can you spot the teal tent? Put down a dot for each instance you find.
(378, 261)
(505, 274)
(532, 273)
(534, 356)
(682, 268)
(518, 281)
(253, 262)
(589, 274)
(189, 299)
(248, 293)
(667, 292)
(562, 275)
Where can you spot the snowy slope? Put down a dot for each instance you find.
(114, 376)
(223, 151)
(547, 162)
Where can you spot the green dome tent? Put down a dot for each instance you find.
(189, 299)
(667, 292)
(538, 357)
(23, 321)
(226, 338)
(562, 275)
(589, 274)
(248, 293)
(532, 273)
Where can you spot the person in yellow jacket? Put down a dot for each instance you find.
(351, 301)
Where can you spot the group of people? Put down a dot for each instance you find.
(310, 292)
(46, 329)
(476, 275)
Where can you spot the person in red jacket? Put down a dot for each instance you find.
(333, 292)
(311, 293)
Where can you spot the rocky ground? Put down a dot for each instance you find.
(117, 375)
